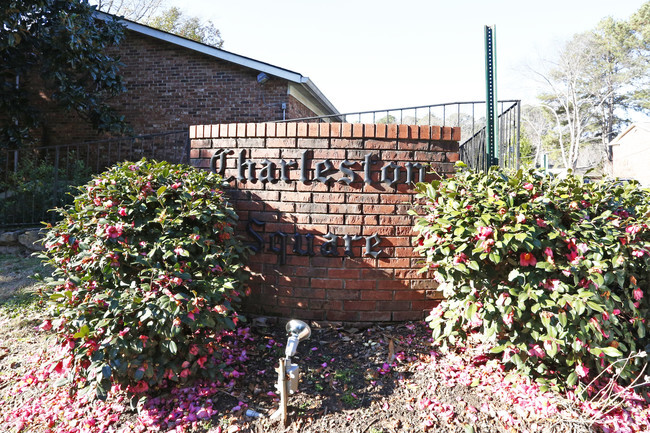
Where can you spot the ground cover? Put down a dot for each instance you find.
(386, 378)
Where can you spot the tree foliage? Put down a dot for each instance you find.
(55, 50)
(173, 20)
(134, 10)
(597, 79)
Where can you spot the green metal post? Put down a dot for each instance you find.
(491, 115)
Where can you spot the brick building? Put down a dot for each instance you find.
(172, 83)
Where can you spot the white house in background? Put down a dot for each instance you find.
(631, 153)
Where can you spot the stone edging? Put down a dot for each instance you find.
(20, 242)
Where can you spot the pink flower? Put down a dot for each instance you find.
(528, 186)
(508, 318)
(527, 259)
(581, 370)
(638, 253)
(185, 373)
(178, 250)
(637, 294)
(484, 232)
(502, 299)
(124, 331)
(201, 361)
(144, 339)
(194, 349)
(536, 351)
(140, 387)
(521, 218)
(176, 185)
(552, 284)
(633, 229)
(540, 222)
(122, 211)
(616, 311)
(460, 258)
(113, 232)
(45, 326)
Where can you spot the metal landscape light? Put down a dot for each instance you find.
(288, 373)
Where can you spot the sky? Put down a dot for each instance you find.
(380, 54)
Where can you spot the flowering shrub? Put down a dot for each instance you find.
(553, 271)
(147, 271)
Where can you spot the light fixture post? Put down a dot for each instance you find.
(288, 373)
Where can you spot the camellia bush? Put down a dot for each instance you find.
(147, 272)
(554, 272)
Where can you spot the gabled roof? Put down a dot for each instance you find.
(294, 77)
(642, 126)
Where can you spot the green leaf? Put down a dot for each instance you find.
(572, 379)
(611, 352)
(83, 331)
(161, 191)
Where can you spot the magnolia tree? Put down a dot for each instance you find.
(553, 272)
(147, 271)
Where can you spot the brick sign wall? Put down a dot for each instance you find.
(325, 207)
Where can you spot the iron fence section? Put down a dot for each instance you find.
(469, 116)
(36, 179)
(473, 151)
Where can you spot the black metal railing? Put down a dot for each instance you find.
(36, 179)
(473, 150)
(469, 116)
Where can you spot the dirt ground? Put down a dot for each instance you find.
(380, 379)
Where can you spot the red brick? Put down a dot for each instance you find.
(360, 284)
(346, 130)
(455, 133)
(344, 316)
(335, 129)
(292, 129)
(302, 130)
(391, 131)
(326, 283)
(347, 274)
(369, 130)
(435, 133)
(380, 130)
(378, 209)
(359, 305)
(409, 295)
(375, 295)
(324, 129)
(328, 197)
(403, 316)
(394, 263)
(374, 316)
(423, 305)
(393, 305)
(281, 130)
(425, 132)
(343, 294)
(403, 131)
(414, 132)
(313, 130)
(357, 130)
(269, 129)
